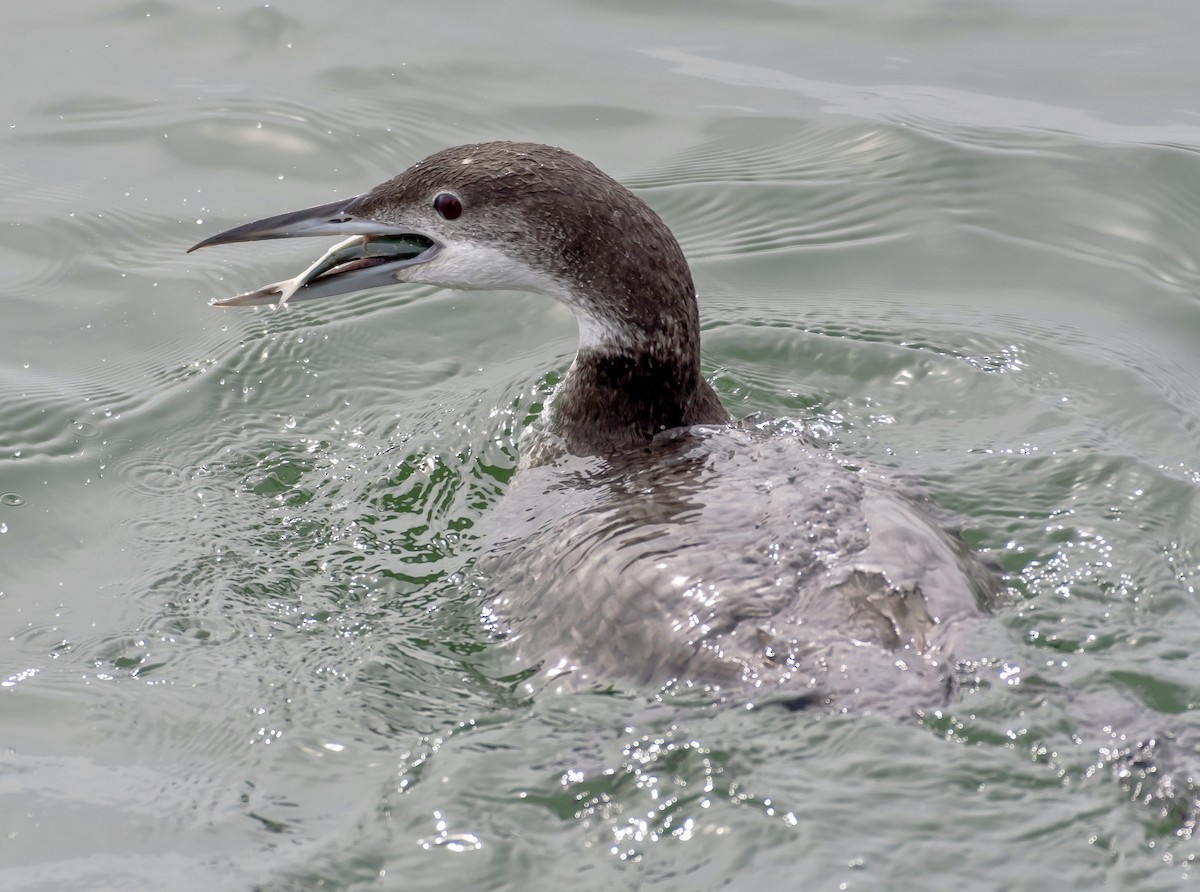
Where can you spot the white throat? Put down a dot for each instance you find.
(470, 266)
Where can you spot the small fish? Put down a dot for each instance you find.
(356, 252)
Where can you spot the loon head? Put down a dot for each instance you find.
(498, 215)
(527, 217)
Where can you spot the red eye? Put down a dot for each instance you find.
(448, 205)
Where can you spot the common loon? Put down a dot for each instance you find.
(666, 545)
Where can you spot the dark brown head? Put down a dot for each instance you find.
(501, 215)
(525, 217)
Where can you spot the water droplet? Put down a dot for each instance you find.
(85, 429)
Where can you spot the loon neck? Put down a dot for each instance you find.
(636, 374)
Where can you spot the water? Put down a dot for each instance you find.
(958, 240)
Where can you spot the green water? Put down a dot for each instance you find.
(958, 240)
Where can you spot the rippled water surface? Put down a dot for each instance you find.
(959, 242)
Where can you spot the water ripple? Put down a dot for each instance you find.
(768, 185)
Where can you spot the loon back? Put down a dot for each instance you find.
(740, 563)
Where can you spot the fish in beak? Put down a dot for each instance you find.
(369, 258)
